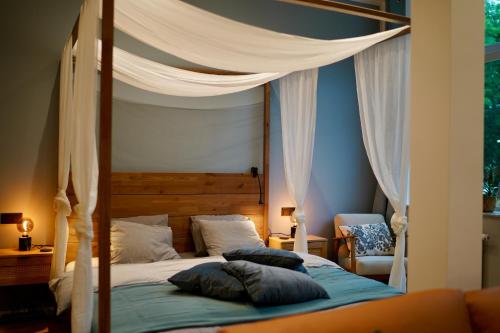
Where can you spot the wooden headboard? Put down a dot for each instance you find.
(180, 195)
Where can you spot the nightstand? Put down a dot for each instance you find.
(24, 290)
(315, 245)
(24, 267)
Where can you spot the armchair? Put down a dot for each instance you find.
(375, 267)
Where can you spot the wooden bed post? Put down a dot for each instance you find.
(265, 160)
(104, 189)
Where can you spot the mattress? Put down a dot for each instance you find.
(162, 307)
(143, 300)
(157, 272)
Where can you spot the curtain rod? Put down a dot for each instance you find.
(352, 10)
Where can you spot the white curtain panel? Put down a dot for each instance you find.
(211, 40)
(148, 75)
(62, 205)
(84, 163)
(298, 124)
(382, 79)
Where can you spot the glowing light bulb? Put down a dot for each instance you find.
(25, 226)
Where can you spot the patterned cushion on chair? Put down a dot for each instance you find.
(371, 239)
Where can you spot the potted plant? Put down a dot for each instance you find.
(490, 188)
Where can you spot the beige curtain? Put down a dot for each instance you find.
(382, 77)
(298, 125)
(84, 164)
(61, 202)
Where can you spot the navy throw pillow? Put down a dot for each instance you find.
(269, 257)
(210, 280)
(269, 285)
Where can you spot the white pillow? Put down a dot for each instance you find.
(70, 266)
(137, 243)
(199, 244)
(147, 219)
(224, 236)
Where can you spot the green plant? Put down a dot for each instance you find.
(490, 183)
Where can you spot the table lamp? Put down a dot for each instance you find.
(288, 211)
(25, 226)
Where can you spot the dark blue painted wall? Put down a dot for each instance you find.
(342, 180)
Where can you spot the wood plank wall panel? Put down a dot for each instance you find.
(180, 195)
(183, 183)
(184, 204)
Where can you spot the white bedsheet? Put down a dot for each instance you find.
(157, 272)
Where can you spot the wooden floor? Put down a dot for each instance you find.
(36, 326)
(30, 308)
(25, 327)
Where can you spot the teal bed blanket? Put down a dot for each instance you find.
(161, 307)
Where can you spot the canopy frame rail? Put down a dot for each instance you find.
(354, 10)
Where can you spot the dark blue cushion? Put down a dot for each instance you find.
(210, 280)
(269, 285)
(269, 257)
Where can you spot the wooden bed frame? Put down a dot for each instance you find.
(105, 205)
(180, 195)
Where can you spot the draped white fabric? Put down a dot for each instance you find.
(298, 124)
(61, 202)
(211, 40)
(382, 84)
(159, 78)
(207, 39)
(84, 163)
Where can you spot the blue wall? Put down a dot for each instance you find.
(342, 180)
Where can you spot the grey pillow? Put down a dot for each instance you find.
(268, 285)
(139, 243)
(210, 280)
(147, 219)
(223, 236)
(199, 243)
(268, 256)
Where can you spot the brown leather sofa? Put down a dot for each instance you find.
(445, 310)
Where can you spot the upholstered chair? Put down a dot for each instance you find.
(376, 267)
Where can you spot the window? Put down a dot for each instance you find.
(492, 91)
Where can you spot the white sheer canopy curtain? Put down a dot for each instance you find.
(298, 124)
(382, 78)
(204, 38)
(152, 76)
(62, 205)
(84, 163)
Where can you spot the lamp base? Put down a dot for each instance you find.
(293, 229)
(24, 243)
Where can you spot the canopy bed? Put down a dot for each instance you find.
(174, 27)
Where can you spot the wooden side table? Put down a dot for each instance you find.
(24, 289)
(315, 245)
(24, 267)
